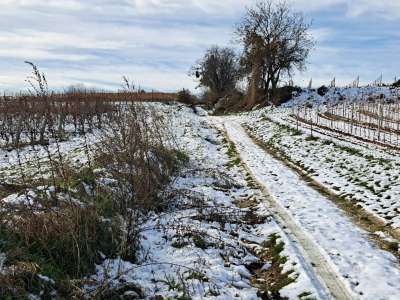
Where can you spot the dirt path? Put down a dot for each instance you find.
(340, 253)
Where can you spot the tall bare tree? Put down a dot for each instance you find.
(218, 71)
(276, 41)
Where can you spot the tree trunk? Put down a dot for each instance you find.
(252, 95)
(274, 86)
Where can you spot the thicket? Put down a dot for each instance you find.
(65, 219)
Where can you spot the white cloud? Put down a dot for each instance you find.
(41, 54)
(354, 8)
(385, 8)
(60, 4)
(157, 40)
(43, 39)
(322, 34)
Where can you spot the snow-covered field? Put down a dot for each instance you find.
(358, 171)
(216, 270)
(351, 254)
(218, 241)
(242, 224)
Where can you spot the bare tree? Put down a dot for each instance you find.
(276, 41)
(218, 71)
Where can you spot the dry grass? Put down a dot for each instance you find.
(64, 233)
(35, 117)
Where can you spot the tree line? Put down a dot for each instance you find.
(275, 41)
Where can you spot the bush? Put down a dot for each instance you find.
(397, 83)
(322, 91)
(63, 243)
(210, 99)
(186, 97)
(284, 94)
(138, 151)
(24, 277)
(232, 102)
(83, 220)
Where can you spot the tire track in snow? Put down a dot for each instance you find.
(341, 254)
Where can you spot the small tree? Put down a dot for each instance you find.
(275, 41)
(218, 71)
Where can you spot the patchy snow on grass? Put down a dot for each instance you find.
(33, 161)
(369, 272)
(360, 172)
(218, 239)
(27, 199)
(203, 248)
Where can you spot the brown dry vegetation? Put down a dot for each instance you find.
(73, 221)
(33, 119)
(39, 115)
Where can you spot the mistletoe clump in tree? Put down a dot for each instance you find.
(217, 71)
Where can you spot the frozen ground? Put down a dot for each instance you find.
(339, 95)
(225, 235)
(30, 161)
(361, 172)
(218, 241)
(367, 271)
(169, 255)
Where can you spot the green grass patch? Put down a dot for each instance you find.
(271, 280)
(311, 138)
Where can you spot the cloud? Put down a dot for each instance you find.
(40, 54)
(156, 41)
(50, 4)
(353, 8)
(322, 34)
(42, 39)
(388, 9)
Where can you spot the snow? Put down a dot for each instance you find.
(200, 111)
(337, 95)
(209, 179)
(362, 172)
(368, 271)
(30, 161)
(2, 260)
(27, 199)
(171, 262)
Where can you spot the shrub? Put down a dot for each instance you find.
(186, 97)
(76, 220)
(210, 98)
(322, 90)
(284, 94)
(24, 277)
(64, 243)
(40, 115)
(137, 150)
(232, 102)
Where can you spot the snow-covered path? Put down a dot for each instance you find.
(342, 254)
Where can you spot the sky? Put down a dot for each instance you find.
(155, 42)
